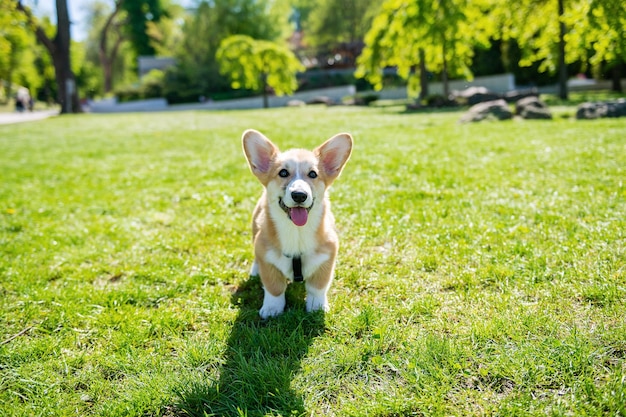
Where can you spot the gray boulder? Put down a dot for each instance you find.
(321, 100)
(475, 95)
(532, 108)
(496, 109)
(514, 96)
(596, 110)
(296, 103)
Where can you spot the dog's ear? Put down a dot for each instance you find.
(333, 154)
(259, 150)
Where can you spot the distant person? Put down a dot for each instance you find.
(19, 105)
(23, 100)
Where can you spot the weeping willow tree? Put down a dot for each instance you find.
(416, 36)
(601, 26)
(555, 33)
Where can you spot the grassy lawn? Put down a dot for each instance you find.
(482, 269)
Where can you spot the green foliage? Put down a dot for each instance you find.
(535, 26)
(446, 31)
(449, 32)
(23, 61)
(255, 64)
(88, 76)
(481, 269)
(331, 22)
(197, 72)
(595, 31)
(151, 86)
(603, 26)
(139, 13)
(17, 49)
(166, 34)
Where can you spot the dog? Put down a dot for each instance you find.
(293, 228)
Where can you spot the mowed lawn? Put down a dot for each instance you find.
(482, 269)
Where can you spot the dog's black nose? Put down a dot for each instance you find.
(298, 196)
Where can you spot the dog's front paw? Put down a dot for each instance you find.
(254, 271)
(316, 300)
(272, 305)
(315, 304)
(267, 312)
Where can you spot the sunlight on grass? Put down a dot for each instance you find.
(481, 269)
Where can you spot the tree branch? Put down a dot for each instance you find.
(39, 32)
(107, 25)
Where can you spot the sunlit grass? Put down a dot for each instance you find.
(481, 269)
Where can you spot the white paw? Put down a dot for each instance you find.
(254, 271)
(272, 305)
(316, 300)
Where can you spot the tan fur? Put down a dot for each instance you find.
(276, 238)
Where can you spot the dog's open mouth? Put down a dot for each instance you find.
(298, 215)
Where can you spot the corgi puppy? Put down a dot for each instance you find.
(292, 226)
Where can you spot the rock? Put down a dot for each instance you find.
(321, 100)
(475, 95)
(296, 103)
(365, 99)
(439, 101)
(498, 109)
(536, 113)
(532, 108)
(596, 110)
(514, 96)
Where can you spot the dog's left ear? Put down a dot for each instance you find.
(333, 154)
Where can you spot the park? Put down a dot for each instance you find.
(481, 271)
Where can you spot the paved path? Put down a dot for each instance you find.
(15, 117)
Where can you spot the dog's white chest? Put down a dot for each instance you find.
(310, 262)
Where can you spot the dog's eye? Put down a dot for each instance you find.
(283, 173)
(312, 174)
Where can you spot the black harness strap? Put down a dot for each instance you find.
(297, 269)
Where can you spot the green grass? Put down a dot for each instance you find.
(481, 269)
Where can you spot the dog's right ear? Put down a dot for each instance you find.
(260, 152)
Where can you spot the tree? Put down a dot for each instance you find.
(88, 75)
(197, 72)
(129, 22)
(166, 33)
(600, 26)
(59, 50)
(110, 39)
(14, 42)
(332, 22)
(539, 28)
(139, 14)
(258, 64)
(412, 35)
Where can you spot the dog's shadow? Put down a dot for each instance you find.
(260, 361)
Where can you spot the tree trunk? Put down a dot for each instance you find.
(444, 73)
(616, 77)
(107, 58)
(423, 75)
(68, 95)
(562, 67)
(9, 84)
(266, 103)
(59, 50)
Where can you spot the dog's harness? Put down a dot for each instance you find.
(296, 263)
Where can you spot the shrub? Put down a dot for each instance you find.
(151, 86)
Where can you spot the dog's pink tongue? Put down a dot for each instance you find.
(299, 215)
